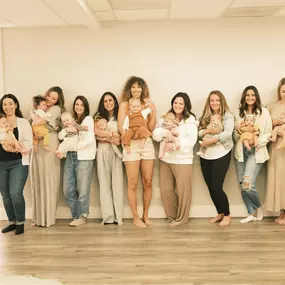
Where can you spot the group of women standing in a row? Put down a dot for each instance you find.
(175, 165)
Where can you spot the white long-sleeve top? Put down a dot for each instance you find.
(188, 132)
(87, 143)
(25, 137)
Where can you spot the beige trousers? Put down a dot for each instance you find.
(176, 192)
(110, 177)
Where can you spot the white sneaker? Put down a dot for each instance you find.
(259, 214)
(78, 222)
(248, 219)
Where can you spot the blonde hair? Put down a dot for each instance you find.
(280, 84)
(208, 112)
(65, 115)
(169, 116)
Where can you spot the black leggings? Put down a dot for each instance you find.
(214, 172)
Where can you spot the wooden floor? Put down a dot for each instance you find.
(197, 253)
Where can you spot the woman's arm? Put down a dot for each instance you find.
(101, 133)
(159, 132)
(123, 110)
(265, 128)
(152, 117)
(188, 136)
(88, 136)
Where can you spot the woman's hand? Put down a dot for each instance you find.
(9, 146)
(277, 122)
(169, 147)
(71, 129)
(211, 131)
(207, 142)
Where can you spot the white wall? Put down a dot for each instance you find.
(193, 57)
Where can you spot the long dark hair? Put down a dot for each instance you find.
(187, 105)
(243, 105)
(280, 84)
(86, 112)
(102, 112)
(18, 112)
(60, 101)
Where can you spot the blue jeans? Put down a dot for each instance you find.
(13, 177)
(247, 173)
(77, 176)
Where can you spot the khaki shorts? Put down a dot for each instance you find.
(138, 153)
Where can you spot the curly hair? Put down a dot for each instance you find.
(127, 95)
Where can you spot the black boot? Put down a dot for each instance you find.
(9, 229)
(19, 229)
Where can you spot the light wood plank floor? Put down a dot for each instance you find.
(197, 253)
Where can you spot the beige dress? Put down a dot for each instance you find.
(275, 188)
(45, 177)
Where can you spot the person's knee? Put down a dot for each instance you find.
(133, 185)
(147, 183)
(246, 183)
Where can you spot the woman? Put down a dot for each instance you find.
(14, 165)
(275, 189)
(78, 166)
(249, 162)
(109, 164)
(216, 159)
(138, 159)
(176, 164)
(45, 167)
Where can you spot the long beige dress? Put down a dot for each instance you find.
(275, 188)
(45, 177)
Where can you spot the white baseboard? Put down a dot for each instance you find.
(196, 211)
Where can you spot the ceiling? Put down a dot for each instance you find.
(94, 13)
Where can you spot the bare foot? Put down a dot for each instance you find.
(225, 221)
(147, 221)
(216, 219)
(282, 222)
(35, 148)
(46, 148)
(139, 223)
(281, 217)
(59, 154)
(248, 148)
(272, 139)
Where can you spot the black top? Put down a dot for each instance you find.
(7, 156)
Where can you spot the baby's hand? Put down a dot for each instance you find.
(71, 129)
(85, 128)
(175, 133)
(115, 135)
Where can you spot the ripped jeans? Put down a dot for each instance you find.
(247, 172)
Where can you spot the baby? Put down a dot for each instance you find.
(249, 132)
(135, 124)
(102, 125)
(277, 130)
(40, 109)
(70, 139)
(215, 123)
(7, 136)
(170, 124)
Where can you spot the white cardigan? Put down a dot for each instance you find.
(25, 137)
(188, 133)
(87, 142)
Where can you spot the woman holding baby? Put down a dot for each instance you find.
(249, 160)
(78, 166)
(177, 134)
(215, 130)
(275, 189)
(109, 160)
(45, 167)
(139, 157)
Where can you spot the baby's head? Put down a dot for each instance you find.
(66, 119)
(102, 124)
(169, 120)
(3, 121)
(249, 120)
(216, 118)
(39, 103)
(135, 105)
